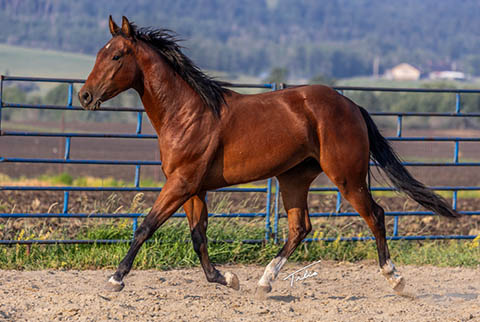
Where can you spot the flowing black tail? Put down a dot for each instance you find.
(382, 153)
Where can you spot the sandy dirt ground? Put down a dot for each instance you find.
(337, 292)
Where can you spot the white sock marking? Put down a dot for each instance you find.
(396, 281)
(113, 281)
(272, 270)
(388, 268)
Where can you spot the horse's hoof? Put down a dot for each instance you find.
(396, 281)
(398, 288)
(398, 284)
(114, 286)
(232, 281)
(262, 291)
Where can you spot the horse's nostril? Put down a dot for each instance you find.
(86, 97)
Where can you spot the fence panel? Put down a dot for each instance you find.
(271, 189)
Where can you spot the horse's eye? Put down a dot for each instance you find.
(116, 57)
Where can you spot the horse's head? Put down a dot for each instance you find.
(115, 68)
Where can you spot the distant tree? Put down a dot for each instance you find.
(57, 95)
(28, 86)
(14, 94)
(472, 65)
(369, 100)
(277, 75)
(324, 80)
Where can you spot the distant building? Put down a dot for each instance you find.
(403, 71)
(447, 75)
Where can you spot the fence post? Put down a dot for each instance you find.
(456, 149)
(339, 202)
(455, 152)
(277, 187)
(268, 210)
(399, 125)
(1, 102)
(395, 226)
(399, 134)
(275, 225)
(137, 170)
(457, 103)
(454, 199)
(66, 156)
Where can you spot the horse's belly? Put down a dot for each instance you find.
(258, 158)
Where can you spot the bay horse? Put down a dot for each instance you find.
(211, 137)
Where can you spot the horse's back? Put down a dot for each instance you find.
(322, 112)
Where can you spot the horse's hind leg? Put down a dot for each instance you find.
(388, 268)
(353, 187)
(197, 216)
(294, 185)
(374, 215)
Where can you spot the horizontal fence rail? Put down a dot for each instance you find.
(271, 190)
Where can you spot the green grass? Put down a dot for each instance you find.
(66, 179)
(392, 194)
(169, 248)
(445, 194)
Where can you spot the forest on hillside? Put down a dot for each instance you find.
(333, 38)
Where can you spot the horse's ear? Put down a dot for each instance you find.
(114, 29)
(126, 27)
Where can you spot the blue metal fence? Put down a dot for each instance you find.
(271, 193)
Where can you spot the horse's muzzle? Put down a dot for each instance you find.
(87, 101)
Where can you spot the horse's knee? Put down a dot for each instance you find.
(143, 232)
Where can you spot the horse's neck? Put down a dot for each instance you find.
(167, 98)
(175, 110)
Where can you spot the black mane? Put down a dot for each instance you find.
(166, 43)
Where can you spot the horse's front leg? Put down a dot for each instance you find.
(174, 193)
(197, 215)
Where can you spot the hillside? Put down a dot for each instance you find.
(21, 61)
(338, 38)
